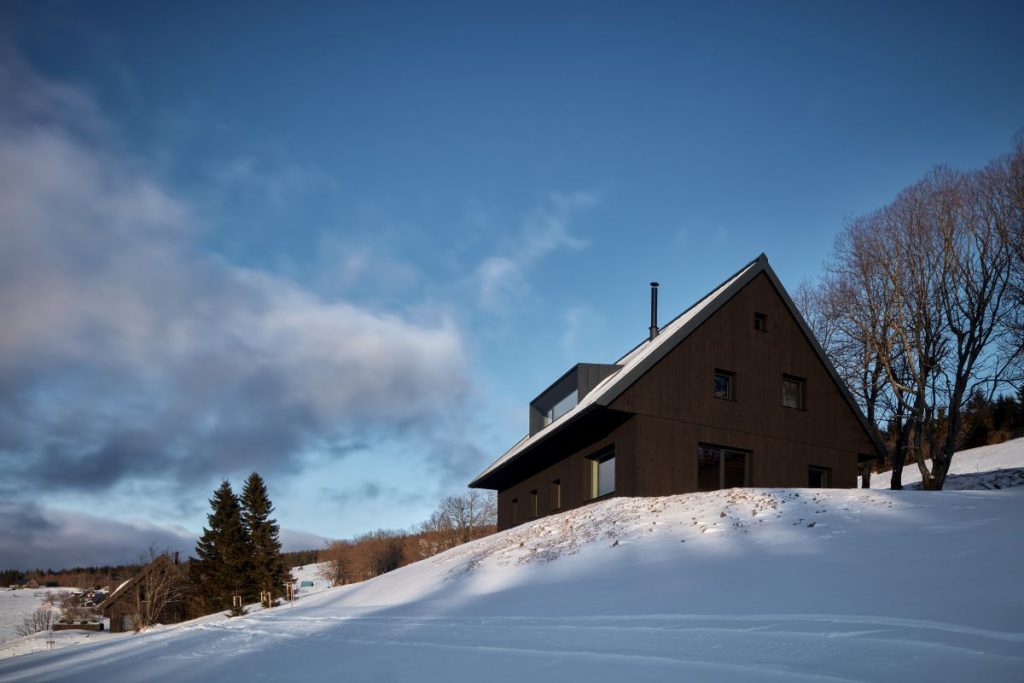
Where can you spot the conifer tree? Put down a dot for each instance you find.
(223, 567)
(268, 570)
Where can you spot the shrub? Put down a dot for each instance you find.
(40, 620)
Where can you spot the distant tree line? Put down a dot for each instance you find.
(921, 310)
(80, 577)
(457, 520)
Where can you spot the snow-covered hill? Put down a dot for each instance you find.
(989, 467)
(738, 585)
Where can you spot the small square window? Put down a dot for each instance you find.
(760, 322)
(793, 392)
(725, 385)
(533, 504)
(556, 494)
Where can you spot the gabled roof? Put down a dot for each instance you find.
(644, 356)
(120, 591)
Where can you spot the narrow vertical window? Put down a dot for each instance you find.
(556, 494)
(793, 392)
(760, 322)
(515, 510)
(724, 385)
(533, 504)
(602, 474)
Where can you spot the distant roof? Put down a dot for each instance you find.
(642, 357)
(116, 594)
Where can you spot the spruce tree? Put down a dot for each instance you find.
(223, 567)
(268, 570)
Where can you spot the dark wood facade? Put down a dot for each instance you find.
(656, 424)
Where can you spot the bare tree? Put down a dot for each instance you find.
(42, 619)
(73, 608)
(160, 588)
(1014, 340)
(976, 221)
(918, 303)
(458, 519)
(338, 563)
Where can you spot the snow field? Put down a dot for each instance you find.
(737, 585)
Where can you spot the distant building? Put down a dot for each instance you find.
(735, 391)
(153, 592)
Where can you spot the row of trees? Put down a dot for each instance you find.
(920, 308)
(457, 520)
(239, 552)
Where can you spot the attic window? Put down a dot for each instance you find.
(561, 408)
(760, 322)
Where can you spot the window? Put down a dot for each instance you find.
(515, 510)
(556, 494)
(760, 322)
(602, 474)
(725, 384)
(819, 477)
(721, 468)
(562, 407)
(533, 504)
(793, 392)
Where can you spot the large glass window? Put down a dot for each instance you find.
(602, 474)
(721, 468)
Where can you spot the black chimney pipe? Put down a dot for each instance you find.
(654, 310)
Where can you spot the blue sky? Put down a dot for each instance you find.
(344, 244)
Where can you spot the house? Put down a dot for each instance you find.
(154, 595)
(735, 391)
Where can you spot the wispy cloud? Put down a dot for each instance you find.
(128, 353)
(503, 278)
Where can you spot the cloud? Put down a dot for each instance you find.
(33, 536)
(129, 353)
(292, 540)
(502, 278)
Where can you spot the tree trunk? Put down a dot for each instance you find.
(899, 456)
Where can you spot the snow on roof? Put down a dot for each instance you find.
(639, 359)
